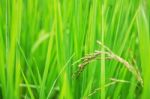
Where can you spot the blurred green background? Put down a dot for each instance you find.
(41, 39)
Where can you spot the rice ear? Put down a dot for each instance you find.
(110, 56)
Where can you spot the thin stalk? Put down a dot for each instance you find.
(103, 58)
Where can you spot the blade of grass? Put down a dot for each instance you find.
(65, 66)
(28, 86)
(103, 55)
(144, 46)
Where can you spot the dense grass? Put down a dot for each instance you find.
(72, 49)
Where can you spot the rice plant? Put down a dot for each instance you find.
(74, 49)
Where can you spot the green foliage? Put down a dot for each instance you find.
(49, 50)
